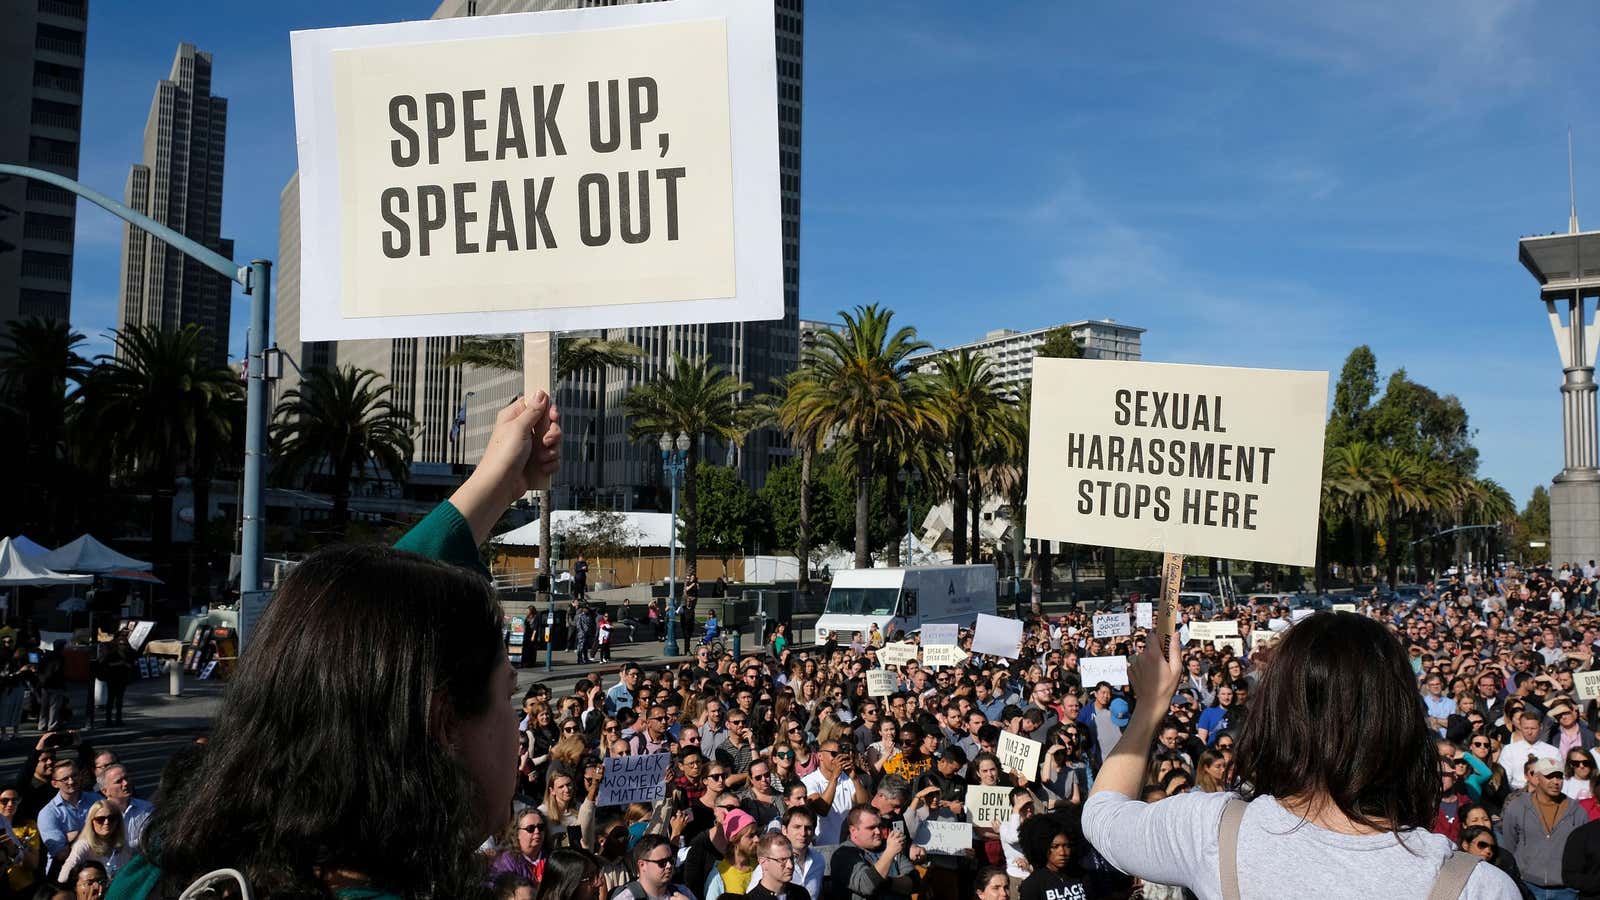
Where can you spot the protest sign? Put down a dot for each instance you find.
(881, 683)
(1112, 625)
(1344, 607)
(634, 779)
(996, 636)
(1201, 631)
(1113, 670)
(946, 838)
(1236, 644)
(1296, 615)
(535, 172)
(988, 806)
(1224, 628)
(1144, 615)
(1196, 460)
(942, 656)
(897, 654)
(940, 635)
(1019, 755)
(1588, 685)
(1258, 638)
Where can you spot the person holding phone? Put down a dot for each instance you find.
(833, 789)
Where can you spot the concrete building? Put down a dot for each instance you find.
(179, 184)
(603, 466)
(811, 328)
(1011, 353)
(41, 109)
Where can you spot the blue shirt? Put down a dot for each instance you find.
(619, 697)
(1213, 719)
(60, 817)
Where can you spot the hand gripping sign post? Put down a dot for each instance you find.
(539, 172)
(1180, 459)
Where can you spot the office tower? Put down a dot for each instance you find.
(1010, 353)
(41, 110)
(179, 184)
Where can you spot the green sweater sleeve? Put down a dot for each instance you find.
(444, 535)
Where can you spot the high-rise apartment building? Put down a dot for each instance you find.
(1010, 353)
(179, 184)
(41, 111)
(602, 465)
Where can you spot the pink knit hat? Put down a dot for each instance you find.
(736, 821)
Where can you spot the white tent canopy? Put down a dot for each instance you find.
(89, 555)
(19, 571)
(644, 529)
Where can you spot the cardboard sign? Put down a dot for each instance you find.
(546, 171)
(897, 654)
(1236, 644)
(1112, 625)
(946, 838)
(1344, 607)
(1224, 628)
(1296, 615)
(1588, 685)
(1144, 615)
(1257, 638)
(940, 635)
(997, 637)
(1201, 631)
(988, 806)
(1019, 755)
(634, 779)
(942, 656)
(1199, 460)
(881, 683)
(1113, 670)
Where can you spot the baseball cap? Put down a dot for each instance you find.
(1120, 712)
(1546, 766)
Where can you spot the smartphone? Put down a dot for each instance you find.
(33, 657)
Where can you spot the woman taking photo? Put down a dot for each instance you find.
(1335, 802)
(376, 771)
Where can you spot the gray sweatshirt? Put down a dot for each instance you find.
(1175, 842)
(1538, 855)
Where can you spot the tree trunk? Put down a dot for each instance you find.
(863, 502)
(891, 499)
(958, 516)
(546, 498)
(691, 540)
(803, 586)
(199, 546)
(975, 513)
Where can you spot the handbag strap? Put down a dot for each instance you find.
(1228, 847)
(1453, 875)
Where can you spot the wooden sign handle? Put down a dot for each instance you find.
(537, 375)
(1167, 612)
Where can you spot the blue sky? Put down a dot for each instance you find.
(1258, 183)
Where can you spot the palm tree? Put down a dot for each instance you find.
(574, 356)
(152, 408)
(1008, 477)
(782, 409)
(970, 398)
(334, 425)
(1398, 475)
(1349, 490)
(696, 398)
(863, 389)
(39, 360)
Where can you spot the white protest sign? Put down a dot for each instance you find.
(947, 838)
(1019, 755)
(1112, 625)
(1144, 615)
(988, 806)
(940, 635)
(634, 779)
(1257, 638)
(897, 654)
(1588, 685)
(1344, 607)
(996, 636)
(1296, 615)
(1201, 631)
(942, 656)
(1199, 460)
(546, 171)
(881, 683)
(1236, 644)
(1112, 670)
(1224, 628)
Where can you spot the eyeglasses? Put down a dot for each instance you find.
(1480, 743)
(1580, 762)
(780, 860)
(7, 801)
(717, 775)
(784, 754)
(569, 729)
(1483, 845)
(104, 820)
(530, 829)
(665, 862)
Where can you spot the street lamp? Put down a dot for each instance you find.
(674, 455)
(908, 478)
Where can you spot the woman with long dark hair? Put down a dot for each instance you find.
(365, 747)
(571, 875)
(1338, 776)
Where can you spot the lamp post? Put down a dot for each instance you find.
(256, 279)
(674, 454)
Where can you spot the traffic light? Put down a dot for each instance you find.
(555, 548)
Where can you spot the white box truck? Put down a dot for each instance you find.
(905, 599)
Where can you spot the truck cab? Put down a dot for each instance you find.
(904, 600)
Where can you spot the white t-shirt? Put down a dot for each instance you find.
(1516, 754)
(844, 797)
(1279, 855)
(1010, 836)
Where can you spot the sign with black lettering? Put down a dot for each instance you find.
(634, 779)
(546, 171)
(1197, 460)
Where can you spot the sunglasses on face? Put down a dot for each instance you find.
(1483, 845)
(530, 829)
